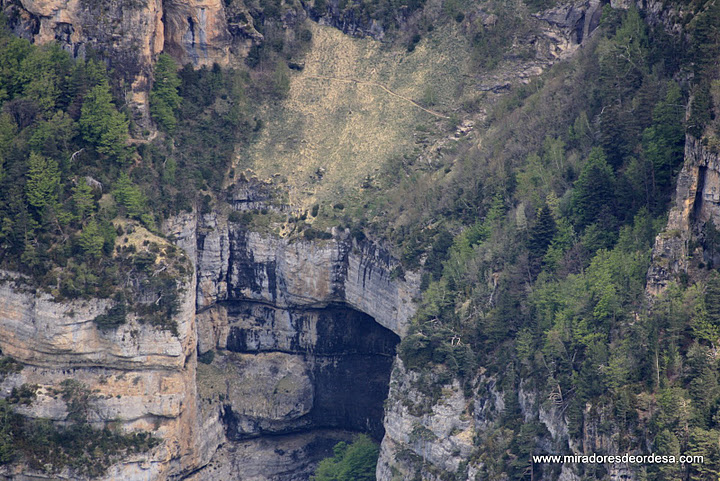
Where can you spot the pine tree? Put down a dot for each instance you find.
(43, 180)
(704, 443)
(667, 444)
(82, 199)
(164, 98)
(622, 62)
(542, 233)
(91, 240)
(700, 109)
(594, 189)
(129, 196)
(102, 125)
(705, 40)
(663, 142)
(712, 299)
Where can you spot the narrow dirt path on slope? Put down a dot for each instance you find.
(376, 84)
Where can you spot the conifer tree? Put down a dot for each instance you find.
(663, 142)
(43, 180)
(82, 199)
(712, 299)
(705, 40)
(129, 196)
(700, 109)
(102, 125)
(542, 233)
(593, 189)
(704, 443)
(91, 240)
(164, 98)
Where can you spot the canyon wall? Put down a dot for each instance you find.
(140, 377)
(296, 341)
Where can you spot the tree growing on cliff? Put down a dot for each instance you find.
(664, 140)
(164, 98)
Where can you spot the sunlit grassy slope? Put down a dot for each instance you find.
(347, 130)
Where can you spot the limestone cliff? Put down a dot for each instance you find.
(128, 34)
(297, 341)
(697, 201)
(142, 378)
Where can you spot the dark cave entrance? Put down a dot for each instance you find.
(348, 356)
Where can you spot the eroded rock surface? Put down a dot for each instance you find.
(297, 341)
(142, 378)
(697, 201)
(129, 34)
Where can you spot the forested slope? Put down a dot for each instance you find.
(528, 202)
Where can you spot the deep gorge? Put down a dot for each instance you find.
(234, 234)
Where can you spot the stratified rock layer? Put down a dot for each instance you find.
(301, 337)
(141, 377)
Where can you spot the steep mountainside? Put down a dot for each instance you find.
(475, 231)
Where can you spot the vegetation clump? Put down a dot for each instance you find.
(46, 447)
(351, 462)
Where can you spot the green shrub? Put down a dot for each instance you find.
(351, 462)
(207, 357)
(114, 317)
(8, 365)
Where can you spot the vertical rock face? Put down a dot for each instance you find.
(196, 32)
(297, 341)
(577, 20)
(234, 264)
(129, 34)
(291, 359)
(419, 431)
(697, 201)
(141, 377)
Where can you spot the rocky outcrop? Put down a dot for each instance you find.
(297, 341)
(348, 21)
(142, 378)
(421, 433)
(196, 32)
(577, 20)
(129, 34)
(697, 201)
(234, 264)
